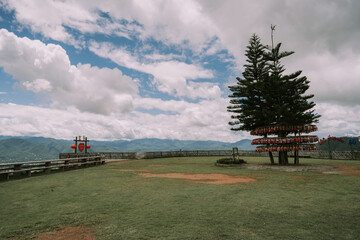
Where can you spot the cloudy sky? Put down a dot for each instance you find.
(160, 69)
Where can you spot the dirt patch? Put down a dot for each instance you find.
(349, 170)
(68, 233)
(193, 164)
(299, 177)
(132, 170)
(203, 178)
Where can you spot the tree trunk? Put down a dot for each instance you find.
(296, 157)
(271, 158)
(296, 154)
(270, 153)
(286, 158)
(283, 158)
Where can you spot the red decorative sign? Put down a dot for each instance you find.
(330, 138)
(81, 147)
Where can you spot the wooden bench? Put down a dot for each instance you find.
(18, 168)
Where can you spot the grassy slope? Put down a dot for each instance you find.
(123, 205)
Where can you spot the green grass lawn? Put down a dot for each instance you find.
(125, 205)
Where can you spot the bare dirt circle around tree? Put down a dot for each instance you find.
(212, 178)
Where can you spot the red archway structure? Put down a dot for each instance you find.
(83, 145)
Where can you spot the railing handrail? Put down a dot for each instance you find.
(117, 152)
(46, 161)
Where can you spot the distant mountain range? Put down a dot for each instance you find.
(15, 149)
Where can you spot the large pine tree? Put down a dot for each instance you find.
(287, 102)
(266, 96)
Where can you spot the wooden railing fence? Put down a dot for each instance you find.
(345, 155)
(105, 155)
(14, 169)
(194, 153)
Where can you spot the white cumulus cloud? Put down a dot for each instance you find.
(20, 120)
(46, 69)
(171, 76)
(170, 21)
(338, 120)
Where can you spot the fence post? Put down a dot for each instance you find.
(47, 167)
(330, 155)
(17, 167)
(352, 152)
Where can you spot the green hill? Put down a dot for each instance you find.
(17, 149)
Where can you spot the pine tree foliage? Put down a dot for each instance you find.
(247, 101)
(286, 97)
(267, 96)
